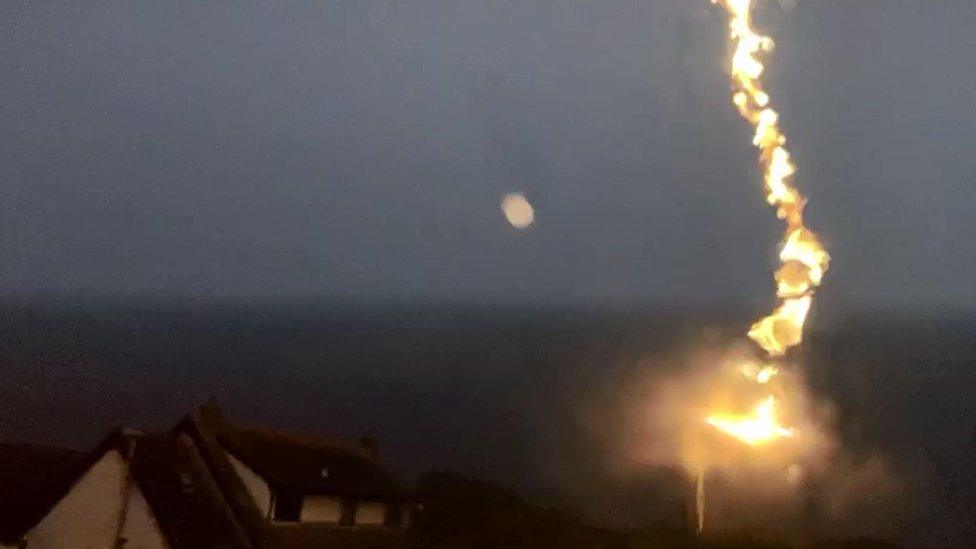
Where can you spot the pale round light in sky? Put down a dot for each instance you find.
(517, 210)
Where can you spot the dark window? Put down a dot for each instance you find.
(288, 506)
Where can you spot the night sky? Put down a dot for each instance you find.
(294, 207)
(319, 148)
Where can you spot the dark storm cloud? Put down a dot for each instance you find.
(324, 148)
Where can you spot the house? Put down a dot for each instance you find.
(209, 482)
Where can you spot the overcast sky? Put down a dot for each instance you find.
(335, 148)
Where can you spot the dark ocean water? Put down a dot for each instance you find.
(490, 392)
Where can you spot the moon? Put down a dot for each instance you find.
(518, 211)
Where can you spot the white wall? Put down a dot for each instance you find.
(88, 516)
(370, 513)
(321, 509)
(255, 485)
(141, 531)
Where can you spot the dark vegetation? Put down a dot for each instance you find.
(459, 512)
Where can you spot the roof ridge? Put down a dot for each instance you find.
(230, 486)
(348, 445)
(184, 464)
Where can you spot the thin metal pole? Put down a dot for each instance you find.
(700, 501)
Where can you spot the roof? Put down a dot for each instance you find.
(308, 464)
(185, 500)
(195, 494)
(32, 477)
(188, 506)
(272, 454)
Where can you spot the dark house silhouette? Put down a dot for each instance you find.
(209, 482)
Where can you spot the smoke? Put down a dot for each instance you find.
(669, 413)
(649, 416)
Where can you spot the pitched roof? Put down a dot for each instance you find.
(273, 454)
(309, 464)
(186, 501)
(229, 483)
(197, 497)
(32, 477)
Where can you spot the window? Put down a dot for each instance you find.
(322, 509)
(370, 513)
(287, 506)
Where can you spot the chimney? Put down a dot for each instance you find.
(370, 444)
(211, 415)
